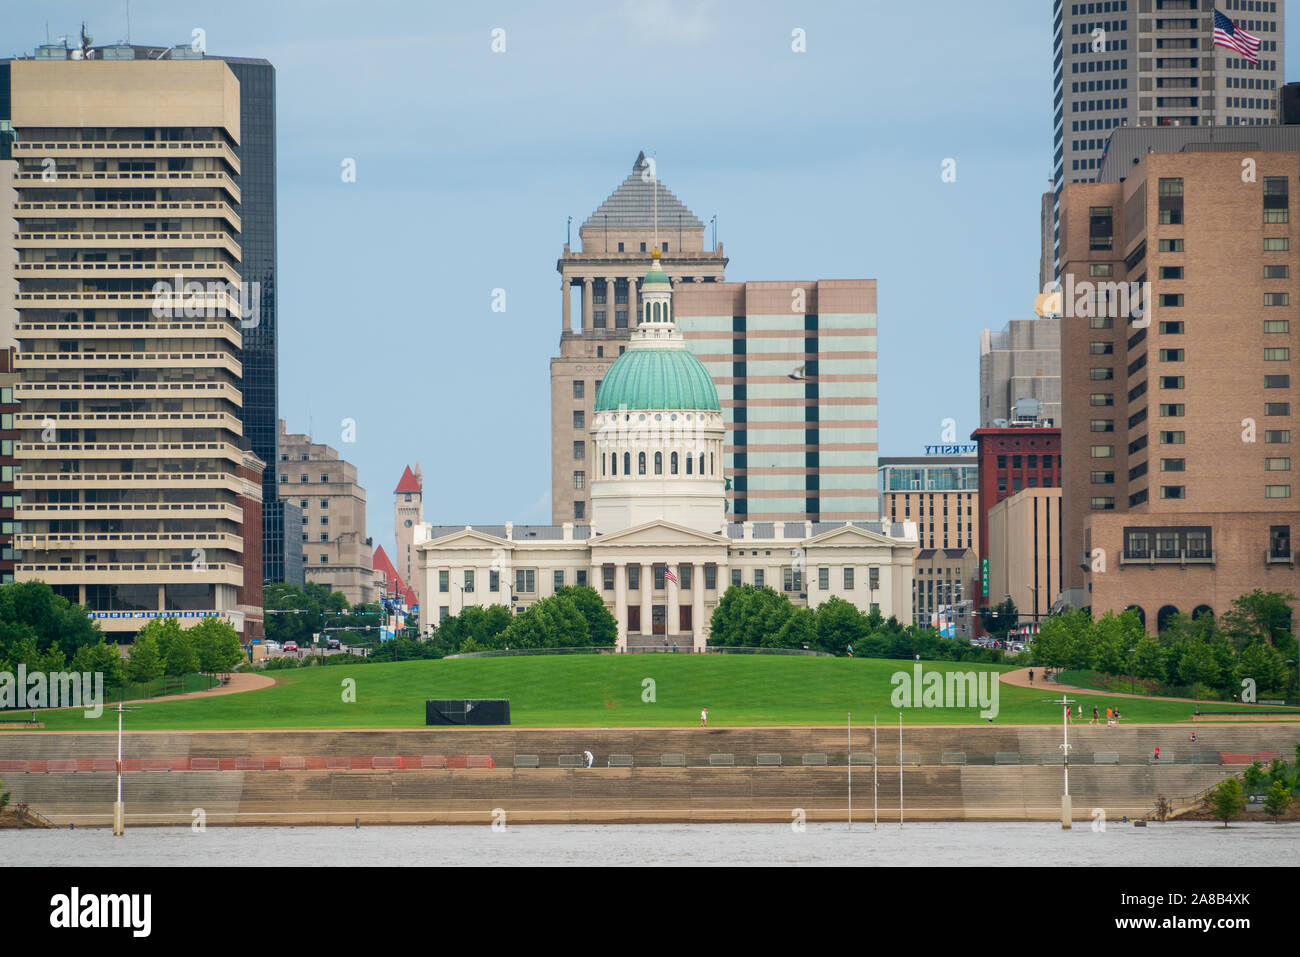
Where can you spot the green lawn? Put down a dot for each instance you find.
(600, 691)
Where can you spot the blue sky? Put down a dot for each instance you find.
(819, 165)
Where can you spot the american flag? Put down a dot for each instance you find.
(1228, 34)
(668, 574)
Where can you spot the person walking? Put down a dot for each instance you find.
(1031, 676)
(591, 758)
(1095, 717)
(1117, 717)
(704, 717)
(1110, 717)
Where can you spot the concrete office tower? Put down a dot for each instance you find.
(135, 472)
(616, 243)
(336, 551)
(1139, 63)
(1178, 425)
(795, 367)
(1023, 361)
(1025, 552)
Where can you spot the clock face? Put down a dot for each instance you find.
(408, 523)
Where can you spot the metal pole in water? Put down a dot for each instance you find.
(849, 724)
(900, 769)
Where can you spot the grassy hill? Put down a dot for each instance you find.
(600, 691)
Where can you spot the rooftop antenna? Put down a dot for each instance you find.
(128, 22)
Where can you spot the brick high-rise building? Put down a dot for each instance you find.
(1179, 419)
(1153, 63)
(136, 474)
(336, 551)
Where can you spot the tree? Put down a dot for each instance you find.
(1277, 800)
(217, 644)
(1197, 664)
(1253, 777)
(602, 629)
(1260, 615)
(798, 631)
(1149, 660)
(146, 663)
(181, 658)
(4, 797)
(838, 624)
(32, 610)
(1227, 801)
(99, 658)
(1000, 620)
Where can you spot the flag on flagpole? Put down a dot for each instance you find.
(668, 574)
(1228, 34)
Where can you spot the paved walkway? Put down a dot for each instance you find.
(239, 681)
(1020, 679)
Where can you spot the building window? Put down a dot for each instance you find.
(1171, 245)
(1173, 409)
(1101, 269)
(1102, 375)
(607, 577)
(1277, 299)
(1103, 478)
(873, 578)
(557, 580)
(1173, 465)
(660, 576)
(1277, 382)
(1277, 465)
(824, 579)
(1277, 437)
(579, 389)
(1101, 322)
(633, 577)
(579, 450)
(1100, 228)
(494, 581)
(1171, 299)
(1173, 491)
(735, 578)
(1171, 272)
(579, 509)
(640, 463)
(1171, 355)
(758, 578)
(469, 579)
(1277, 491)
(1277, 244)
(710, 577)
(1103, 503)
(1171, 201)
(302, 478)
(1277, 272)
(444, 581)
(1101, 348)
(1277, 408)
(659, 463)
(1103, 451)
(1171, 382)
(1102, 425)
(1101, 398)
(1172, 438)
(1277, 325)
(672, 464)
(579, 419)
(579, 480)
(1277, 355)
(1275, 199)
(525, 581)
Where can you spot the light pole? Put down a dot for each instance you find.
(119, 813)
(1065, 752)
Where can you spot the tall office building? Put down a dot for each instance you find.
(336, 551)
(1178, 424)
(139, 494)
(1023, 361)
(1153, 63)
(616, 243)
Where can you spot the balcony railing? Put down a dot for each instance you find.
(1155, 556)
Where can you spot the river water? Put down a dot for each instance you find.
(1182, 844)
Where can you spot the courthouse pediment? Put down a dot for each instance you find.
(658, 533)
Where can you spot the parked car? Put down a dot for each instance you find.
(333, 644)
(291, 646)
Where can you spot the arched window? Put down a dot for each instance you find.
(701, 463)
(710, 462)
(602, 464)
(627, 463)
(1200, 610)
(1164, 616)
(672, 464)
(640, 463)
(613, 463)
(1142, 615)
(659, 463)
(665, 312)
(647, 312)
(690, 461)
(657, 313)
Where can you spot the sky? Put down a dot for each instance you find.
(821, 164)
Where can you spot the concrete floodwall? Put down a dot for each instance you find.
(976, 790)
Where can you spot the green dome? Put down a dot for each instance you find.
(657, 379)
(657, 276)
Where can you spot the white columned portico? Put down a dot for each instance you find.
(673, 624)
(620, 603)
(697, 606)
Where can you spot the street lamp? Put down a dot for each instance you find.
(119, 812)
(1065, 752)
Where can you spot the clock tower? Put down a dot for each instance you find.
(408, 512)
